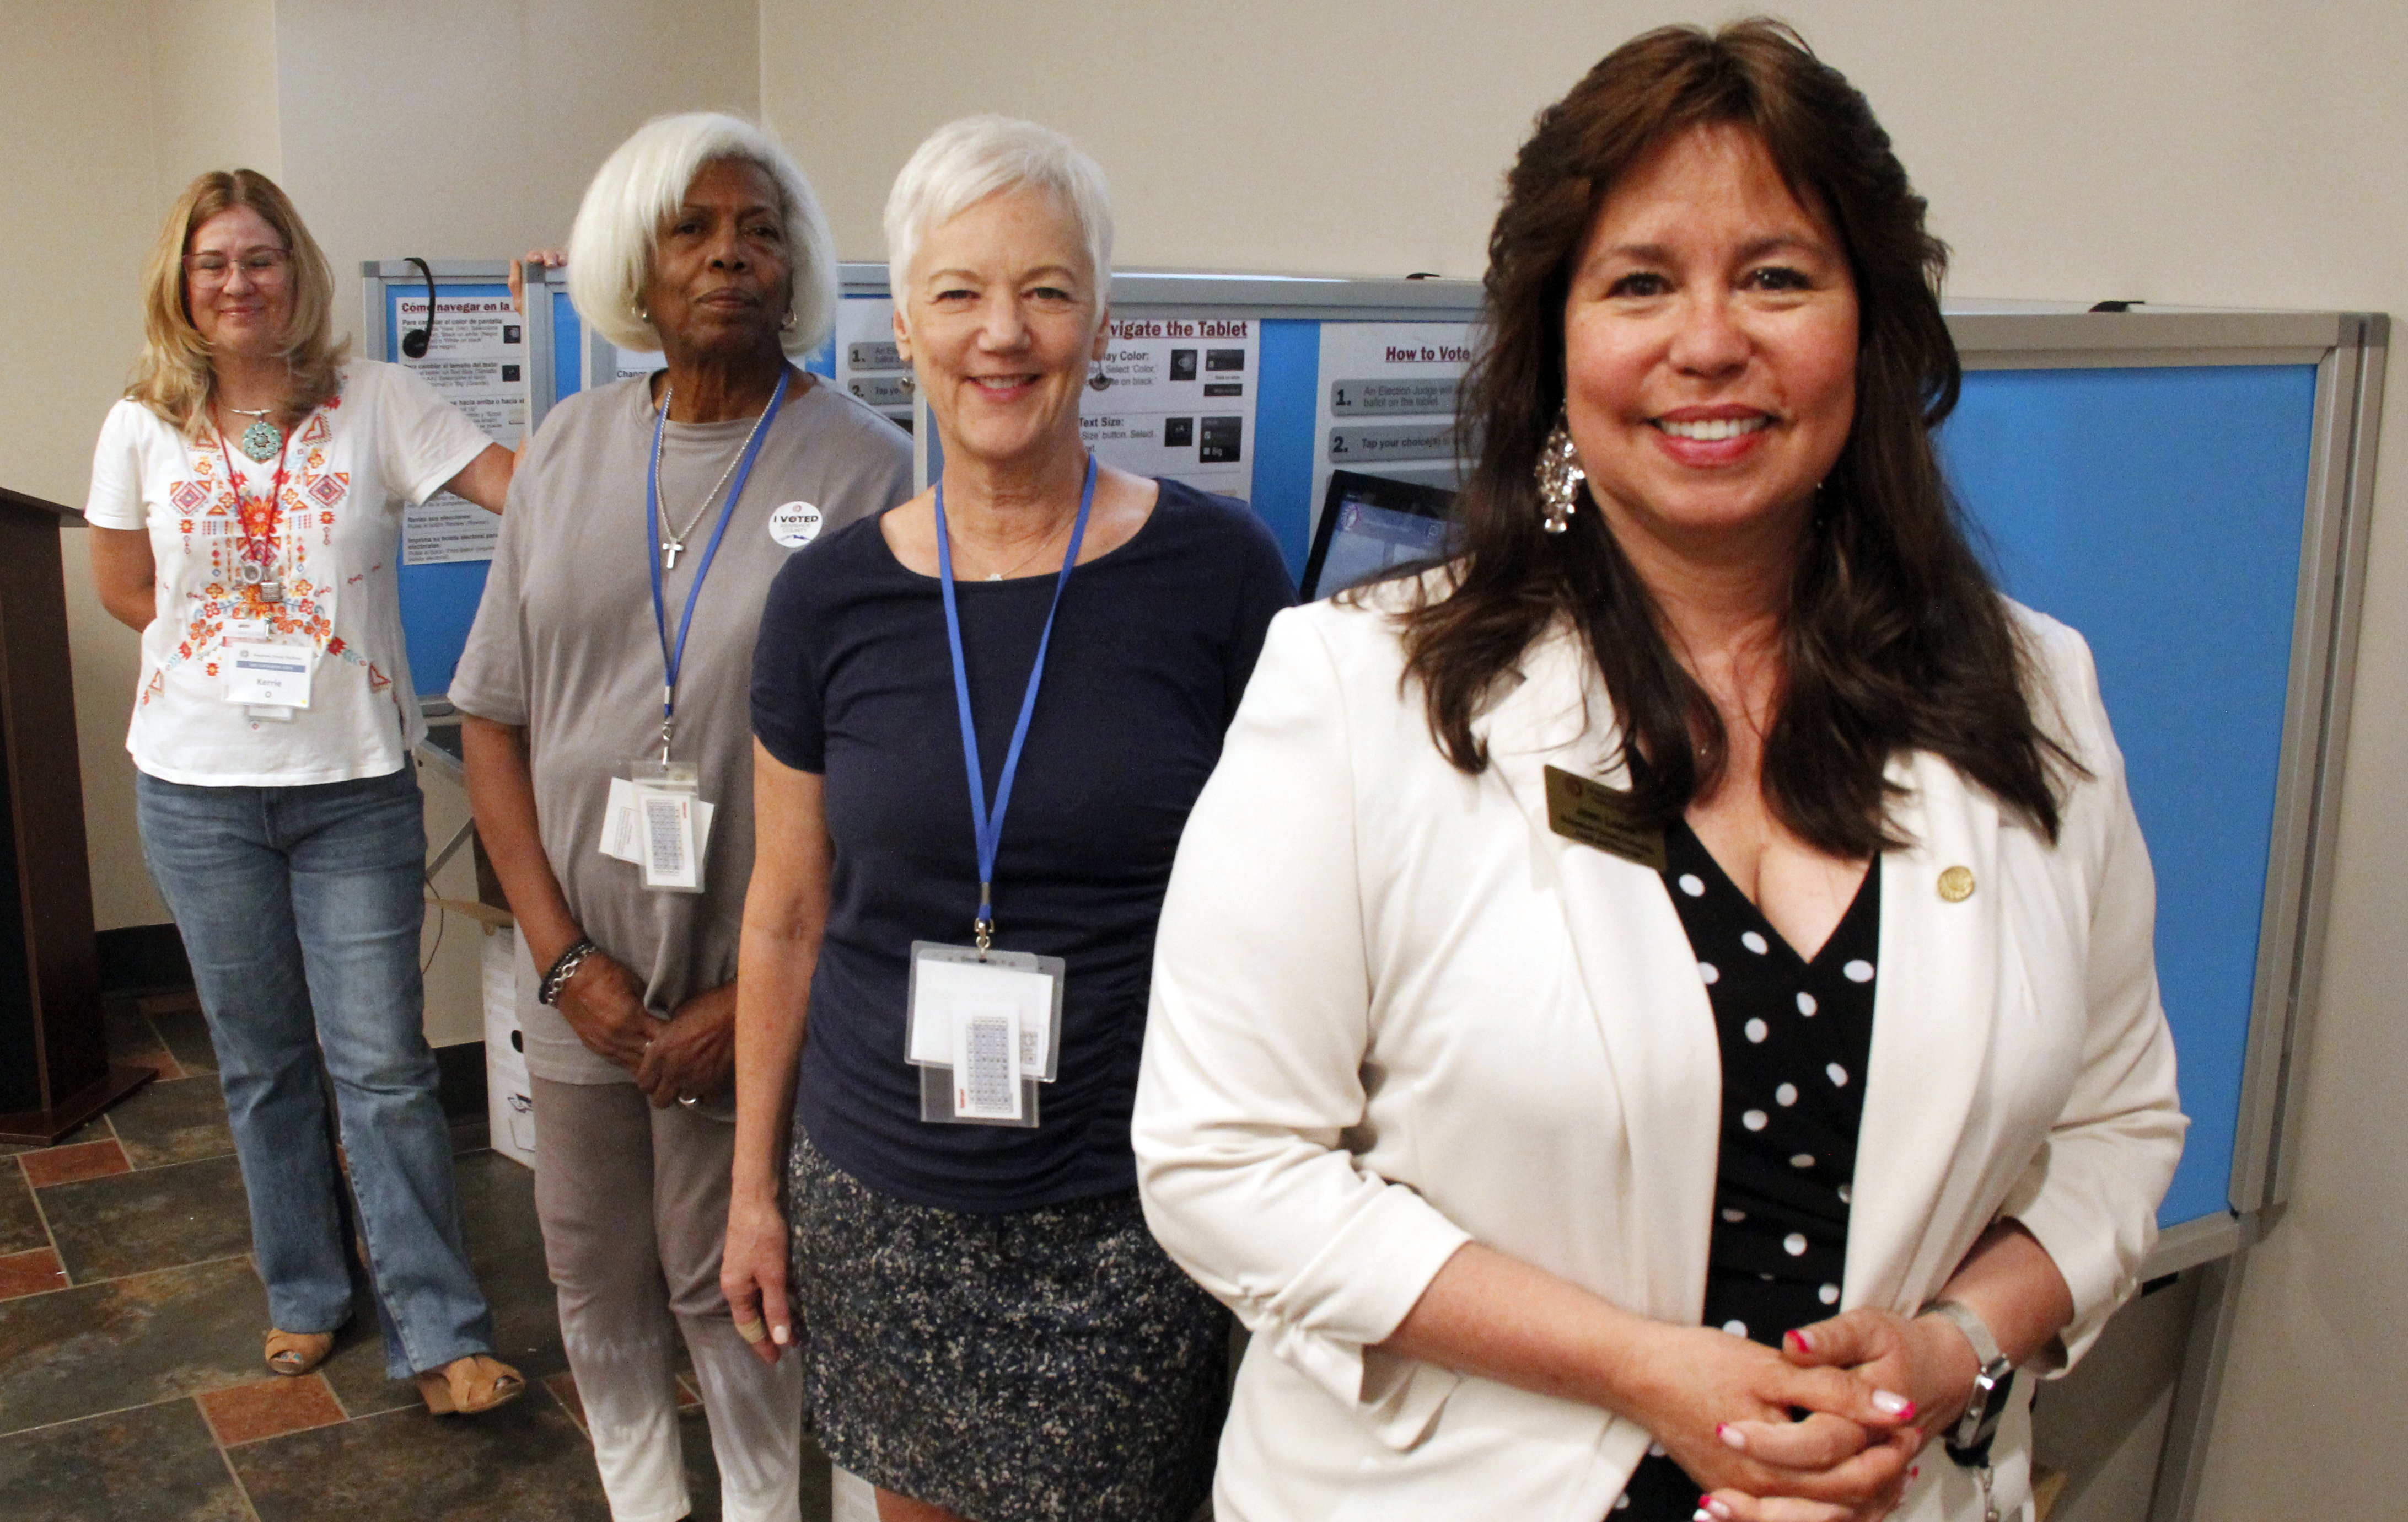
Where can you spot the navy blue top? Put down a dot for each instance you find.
(852, 679)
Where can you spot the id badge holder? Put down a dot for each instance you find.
(269, 678)
(658, 819)
(984, 1029)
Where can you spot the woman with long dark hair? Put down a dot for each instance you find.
(1685, 961)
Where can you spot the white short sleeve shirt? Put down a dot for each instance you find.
(332, 534)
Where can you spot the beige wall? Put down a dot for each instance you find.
(213, 100)
(466, 129)
(2213, 152)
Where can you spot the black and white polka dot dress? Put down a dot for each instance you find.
(1794, 1035)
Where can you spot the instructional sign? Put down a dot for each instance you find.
(1174, 396)
(1386, 401)
(475, 360)
(868, 366)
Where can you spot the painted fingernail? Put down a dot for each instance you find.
(1732, 1437)
(1799, 1340)
(1709, 1506)
(779, 1335)
(1913, 1470)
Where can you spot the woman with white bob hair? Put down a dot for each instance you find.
(605, 681)
(993, 1332)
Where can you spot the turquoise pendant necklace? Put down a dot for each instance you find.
(262, 440)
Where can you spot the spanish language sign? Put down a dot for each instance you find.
(475, 360)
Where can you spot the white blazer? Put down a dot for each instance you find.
(1394, 1012)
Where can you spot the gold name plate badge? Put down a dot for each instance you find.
(1594, 814)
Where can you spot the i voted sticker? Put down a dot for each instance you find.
(796, 524)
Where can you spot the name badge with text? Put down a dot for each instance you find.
(1594, 814)
(659, 822)
(268, 674)
(984, 1029)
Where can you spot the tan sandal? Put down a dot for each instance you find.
(465, 1386)
(294, 1354)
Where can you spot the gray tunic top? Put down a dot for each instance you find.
(565, 646)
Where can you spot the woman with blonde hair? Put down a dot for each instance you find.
(245, 508)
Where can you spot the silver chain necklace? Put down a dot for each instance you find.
(1023, 563)
(674, 545)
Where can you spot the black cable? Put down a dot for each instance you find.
(415, 342)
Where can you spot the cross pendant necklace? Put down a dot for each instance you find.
(673, 545)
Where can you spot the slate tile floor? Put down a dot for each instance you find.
(131, 1315)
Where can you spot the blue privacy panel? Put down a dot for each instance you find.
(439, 603)
(2158, 511)
(1285, 435)
(567, 347)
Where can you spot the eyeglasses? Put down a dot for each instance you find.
(266, 267)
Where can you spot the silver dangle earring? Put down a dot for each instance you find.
(1559, 475)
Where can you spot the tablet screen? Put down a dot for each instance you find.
(1372, 525)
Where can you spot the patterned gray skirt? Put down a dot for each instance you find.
(1025, 1367)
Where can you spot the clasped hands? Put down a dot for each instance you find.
(1873, 1384)
(689, 1056)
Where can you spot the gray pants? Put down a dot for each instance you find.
(634, 1205)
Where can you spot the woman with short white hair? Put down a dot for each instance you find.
(992, 1331)
(610, 662)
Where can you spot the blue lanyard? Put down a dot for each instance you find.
(672, 660)
(989, 828)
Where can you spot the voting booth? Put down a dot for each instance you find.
(2189, 489)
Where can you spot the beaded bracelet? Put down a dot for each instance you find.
(563, 969)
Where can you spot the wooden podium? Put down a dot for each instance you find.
(54, 1069)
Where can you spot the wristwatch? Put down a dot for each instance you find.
(1969, 1442)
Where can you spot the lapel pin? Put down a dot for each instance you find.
(1956, 885)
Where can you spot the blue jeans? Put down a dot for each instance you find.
(300, 909)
